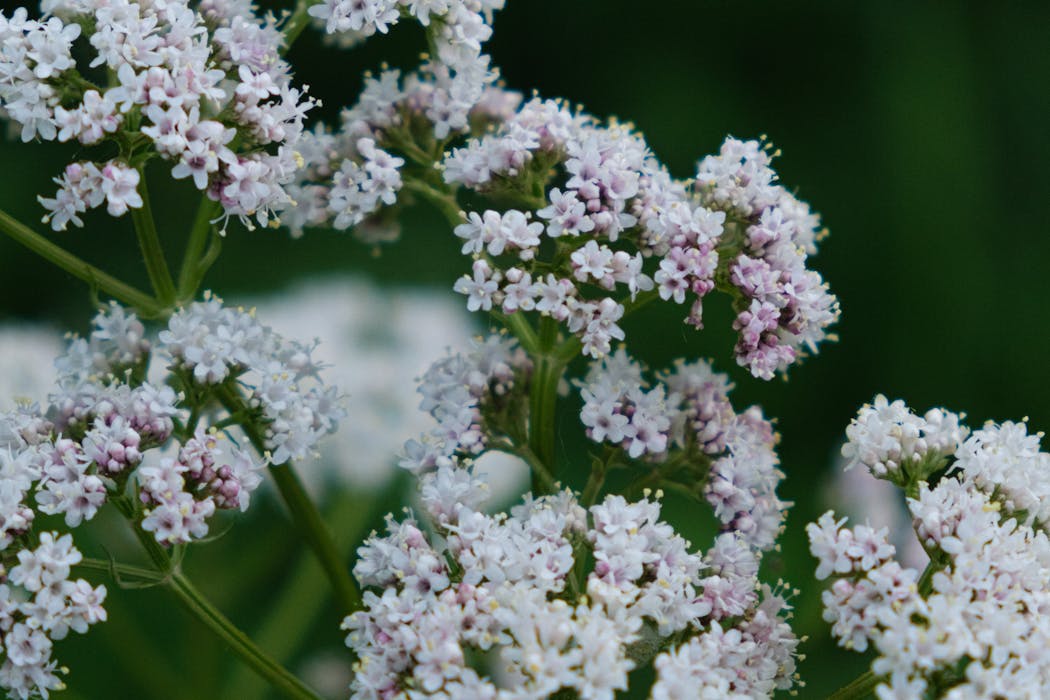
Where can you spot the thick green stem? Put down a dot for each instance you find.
(303, 510)
(121, 291)
(149, 243)
(201, 608)
(860, 687)
(543, 398)
(190, 274)
(444, 201)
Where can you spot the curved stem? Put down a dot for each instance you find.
(307, 518)
(444, 201)
(145, 304)
(201, 608)
(149, 243)
(860, 687)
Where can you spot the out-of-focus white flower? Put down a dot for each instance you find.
(27, 366)
(376, 342)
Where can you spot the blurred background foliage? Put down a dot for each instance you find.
(918, 129)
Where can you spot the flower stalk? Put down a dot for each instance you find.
(304, 513)
(149, 243)
(200, 607)
(143, 303)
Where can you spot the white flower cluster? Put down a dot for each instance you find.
(610, 205)
(889, 439)
(39, 605)
(206, 90)
(974, 625)
(347, 176)
(103, 419)
(687, 417)
(215, 344)
(513, 586)
(457, 391)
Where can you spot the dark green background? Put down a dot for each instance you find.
(918, 129)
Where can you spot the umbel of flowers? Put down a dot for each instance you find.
(518, 585)
(974, 624)
(570, 224)
(154, 428)
(205, 89)
(570, 595)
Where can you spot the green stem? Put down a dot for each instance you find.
(303, 510)
(278, 676)
(149, 243)
(444, 201)
(123, 570)
(315, 531)
(543, 397)
(594, 483)
(289, 622)
(143, 303)
(299, 20)
(201, 608)
(190, 274)
(522, 330)
(860, 687)
(540, 476)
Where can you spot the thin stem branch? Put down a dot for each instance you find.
(315, 531)
(189, 274)
(149, 243)
(106, 567)
(201, 608)
(594, 482)
(304, 512)
(278, 676)
(540, 476)
(143, 303)
(297, 22)
(860, 687)
(297, 609)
